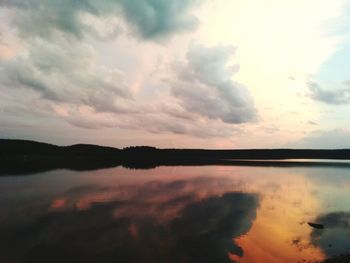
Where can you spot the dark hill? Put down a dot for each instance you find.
(14, 147)
(10, 148)
(20, 156)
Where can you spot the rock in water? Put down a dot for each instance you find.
(314, 225)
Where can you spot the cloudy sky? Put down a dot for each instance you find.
(176, 73)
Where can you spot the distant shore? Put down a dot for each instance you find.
(23, 157)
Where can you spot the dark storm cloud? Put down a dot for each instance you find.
(332, 97)
(148, 18)
(42, 17)
(153, 18)
(203, 85)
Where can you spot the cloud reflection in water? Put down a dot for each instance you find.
(155, 222)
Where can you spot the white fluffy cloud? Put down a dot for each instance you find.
(204, 85)
(62, 81)
(66, 73)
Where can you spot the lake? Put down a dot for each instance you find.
(176, 214)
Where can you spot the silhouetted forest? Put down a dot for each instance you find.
(25, 157)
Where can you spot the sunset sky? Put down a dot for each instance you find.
(176, 73)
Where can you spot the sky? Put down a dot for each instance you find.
(176, 73)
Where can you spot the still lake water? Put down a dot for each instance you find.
(176, 214)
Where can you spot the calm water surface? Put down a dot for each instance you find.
(176, 214)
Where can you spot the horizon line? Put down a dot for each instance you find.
(150, 146)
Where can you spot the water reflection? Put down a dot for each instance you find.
(178, 214)
(155, 222)
(334, 239)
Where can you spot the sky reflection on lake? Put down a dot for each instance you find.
(175, 214)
